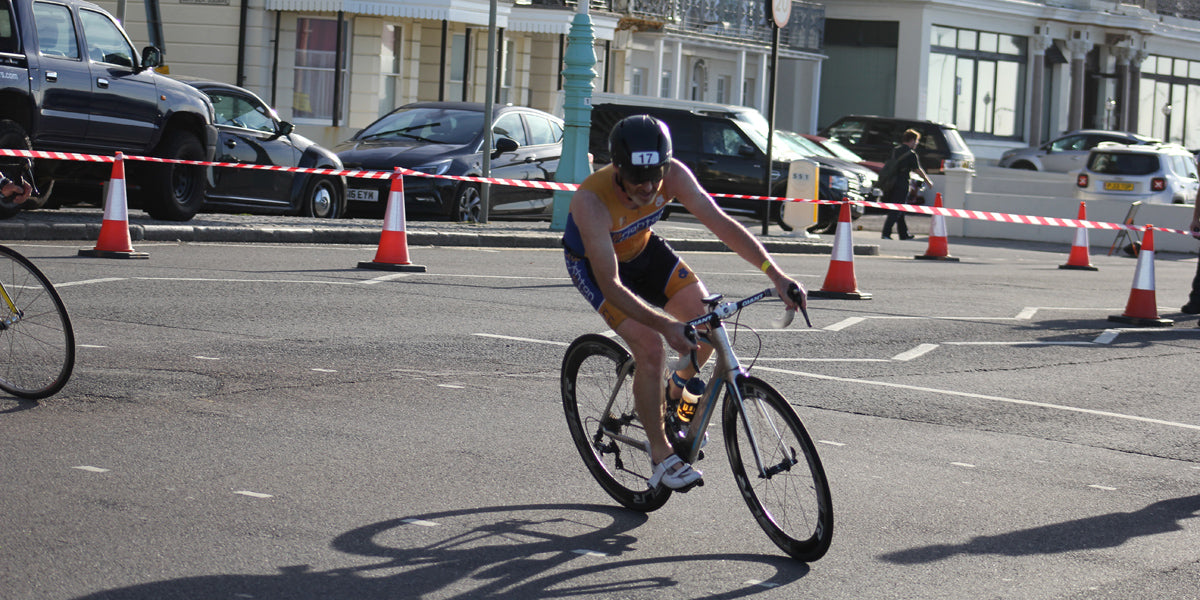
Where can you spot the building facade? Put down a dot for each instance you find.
(1006, 72)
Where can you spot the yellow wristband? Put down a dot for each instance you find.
(766, 265)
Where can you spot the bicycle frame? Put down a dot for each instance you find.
(14, 314)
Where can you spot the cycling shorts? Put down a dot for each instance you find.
(655, 275)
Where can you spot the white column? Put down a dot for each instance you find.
(677, 72)
(654, 85)
(739, 78)
(762, 82)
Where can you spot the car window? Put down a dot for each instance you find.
(55, 30)
(720, 138)
(1120, 163)
(882, 134)
(930, 141)
(1070, 142)
(105, 42)
(542, 130)
(849, 132)
(1183, 166)
(239, 111)
(509, 126)
(8, 32)
(426, 124)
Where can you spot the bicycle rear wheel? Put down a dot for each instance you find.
(791, 500)
(613, 442)
(36, 342)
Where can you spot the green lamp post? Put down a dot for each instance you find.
(578, 75)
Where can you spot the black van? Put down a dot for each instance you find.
(871, 137)
(726, 149)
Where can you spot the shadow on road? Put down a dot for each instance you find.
(505, 552)
(1101, 531)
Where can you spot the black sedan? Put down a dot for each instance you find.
(446, 138)
(251, 132)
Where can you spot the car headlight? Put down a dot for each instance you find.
(437, 168)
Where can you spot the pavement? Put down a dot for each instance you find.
(684, 233)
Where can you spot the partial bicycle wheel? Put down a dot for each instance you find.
(36, 339)
(613, 442)
(789, 497)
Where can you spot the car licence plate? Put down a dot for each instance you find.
(1118, 186)
(361, 195)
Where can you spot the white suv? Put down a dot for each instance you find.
(1160, 173)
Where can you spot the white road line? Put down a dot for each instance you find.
(590, 553)
(324, 370)
(1020, 343)
(386, 278)
(844, 323)
(451, 386)
(963, 465)
(1027, 313)
(919, 351)
(232, 280)
(1103, 487)
(253, 494)
(521, 339)
(421, 522)
(90, 346)
(206, 357)
(916, 388)
(1107, 337)
(88, 281)
(91, 469)
(830, 443)
(764, 584)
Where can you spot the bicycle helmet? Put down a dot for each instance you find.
(640, 146)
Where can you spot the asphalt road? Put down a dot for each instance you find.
(268, 421)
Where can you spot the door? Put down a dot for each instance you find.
(511, 165)
(62, 81)
(249, 133)
(124, 109)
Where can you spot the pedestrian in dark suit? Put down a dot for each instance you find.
(905, 161)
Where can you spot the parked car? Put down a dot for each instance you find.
(725, 147)
(446, 138)
(837, 149)
(1067, 152)
(941, 147)
(250, 132)
(860, 179)
(1160, 173)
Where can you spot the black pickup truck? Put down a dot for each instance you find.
(71, 81)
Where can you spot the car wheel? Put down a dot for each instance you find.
(321, 200)
(467, 204)
(175, 192)
(1023, 165)
(13, 137)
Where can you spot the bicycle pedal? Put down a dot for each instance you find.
(686, 489)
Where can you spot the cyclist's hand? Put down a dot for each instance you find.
(677, 337)
(792, 292)
(16, 193)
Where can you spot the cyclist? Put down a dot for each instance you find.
(628, 273)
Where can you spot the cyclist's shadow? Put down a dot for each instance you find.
(528, 551)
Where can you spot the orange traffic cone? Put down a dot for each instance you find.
(1079, 259)
(1142, 308)
(114, 239)
(939, 247)
(393, 242)
(839, 281)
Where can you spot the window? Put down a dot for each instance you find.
(542, 130)
(240, 111)
(977, 80)
(723, 82)
(637, 85)
(510, 126)
(1169, 92)
(664, 90)
(55, 31)
(699, 81)
(391, 61)
(316, 51)
(105, 42)
(456, 88)
(508, 72)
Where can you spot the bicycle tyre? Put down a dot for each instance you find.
(589, 373)
(40, 344)
(793, 505)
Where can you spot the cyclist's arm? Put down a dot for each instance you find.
(593, 220)
(698, 202)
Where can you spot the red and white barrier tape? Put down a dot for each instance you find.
(553, 185)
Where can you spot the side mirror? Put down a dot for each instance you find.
(286, 128)
(747, 151)
(505, 144)
(152, 57)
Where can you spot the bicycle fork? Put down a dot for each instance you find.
(14, 314)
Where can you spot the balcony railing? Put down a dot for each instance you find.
(740, 20)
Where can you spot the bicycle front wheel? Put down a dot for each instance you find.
(789, 495)
(608, 435)
(36, 339)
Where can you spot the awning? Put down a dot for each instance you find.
(472, 12)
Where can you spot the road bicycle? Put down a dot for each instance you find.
(37, 343)
(774, 461)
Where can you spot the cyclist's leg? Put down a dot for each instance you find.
(646, 346)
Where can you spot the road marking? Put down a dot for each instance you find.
(1020, 343)
(89, 281)
(206, 357)
(830, 443)
(844, 323)
(386, 278)
(521, 339)
(590, 553)
(421, 522)
(324, 370)
(91, 346)
(91, 469)
(1103, 487)
(919, 351)
(452, 386)
(1108, 336)
(1027, 313)
(973, 396)
(802, 359)
(765, 584)
(963, 465)
(253, 494)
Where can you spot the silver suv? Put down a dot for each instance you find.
(1159, 173)
(1067, 152)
